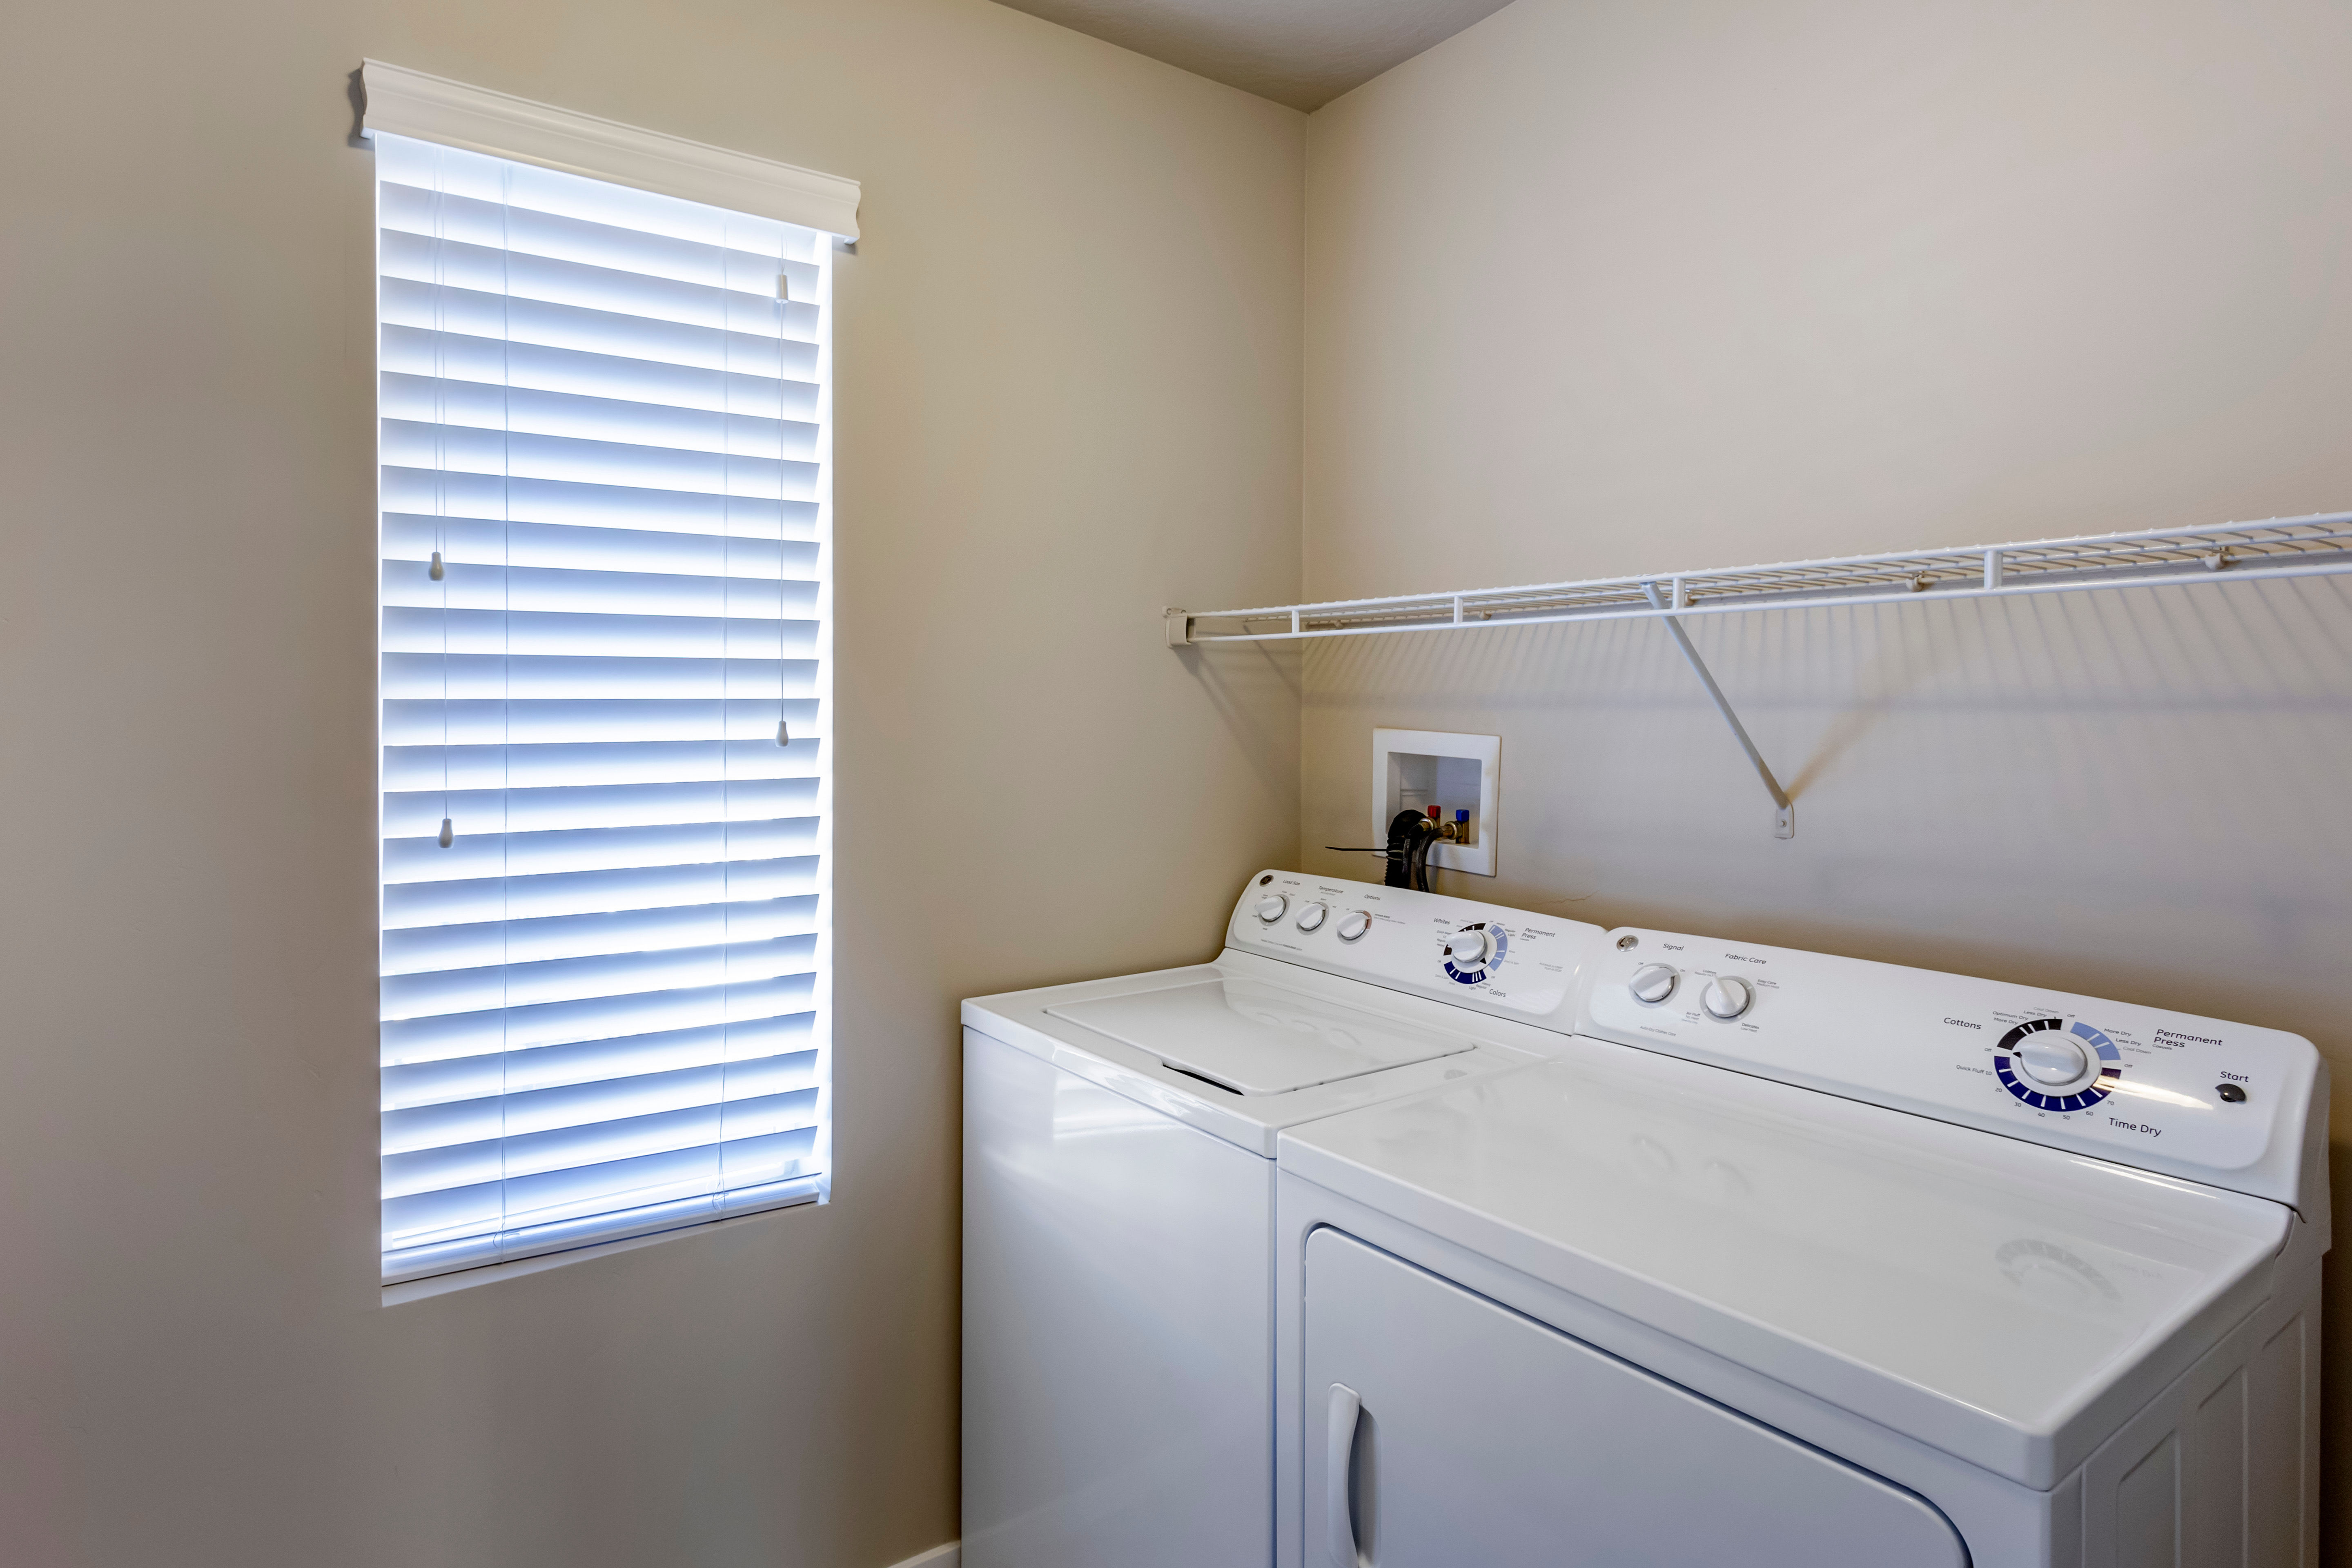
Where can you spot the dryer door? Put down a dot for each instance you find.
(1444, 1429)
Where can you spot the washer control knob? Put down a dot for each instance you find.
(1469, 949)
(2050, 1058)
(1270, 907)
(1726, 997)
(1653, 982)
(1311, 917)
(1353, 924)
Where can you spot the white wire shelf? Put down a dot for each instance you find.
(2238, 552)
(2235, 552)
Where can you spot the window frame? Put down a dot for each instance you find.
(479, 120)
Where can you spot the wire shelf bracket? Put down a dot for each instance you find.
(2280, 548)
(1784, 810)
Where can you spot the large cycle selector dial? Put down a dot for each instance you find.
(1270, 907)
(1653, 982)
(1474, 950)
(2052, 1065)
(2051, 1060)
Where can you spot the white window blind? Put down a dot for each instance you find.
(605, 671)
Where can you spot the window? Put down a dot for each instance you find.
(605, 677)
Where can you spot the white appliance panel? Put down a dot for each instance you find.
(1116, 1334)
(2213, 1101)
(1446, 1430)
(1531, 974)
(1255, 1037)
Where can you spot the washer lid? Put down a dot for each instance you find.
(2007, 1302)
(1252, 1037)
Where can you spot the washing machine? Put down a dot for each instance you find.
(1790, 1259)
(1120, 1191)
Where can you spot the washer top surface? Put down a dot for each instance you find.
(2000, 1300)
(1254, 1036)
(1329, 996)
(1172, 1041)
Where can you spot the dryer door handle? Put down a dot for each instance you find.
(1338, 1460)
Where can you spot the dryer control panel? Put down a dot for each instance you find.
(1510, 963)
(2227, 1104)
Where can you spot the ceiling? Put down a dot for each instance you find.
(1304, 53)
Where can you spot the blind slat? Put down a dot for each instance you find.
(503, 362)
(750, 308)
(565, 1158)
(602, 805)
(620, 761)
(426, 628)
(519, 454)
(469, 901)
(422, 949)
(509, 225)
(514, 1113)
(431, 399)
(475, 1248)
(468, 543)
(547, 323)
(602, 583)
(593, 1061)
(557, 677)
(511, 498)
(608, 1187)
(553, 589)
(474, 855)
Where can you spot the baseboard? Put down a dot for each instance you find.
(948, 1556)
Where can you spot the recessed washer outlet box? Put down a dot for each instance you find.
(1413, 769)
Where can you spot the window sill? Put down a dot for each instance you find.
(490, 1273)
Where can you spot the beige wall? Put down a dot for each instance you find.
(1069, 393)
(1607, 286)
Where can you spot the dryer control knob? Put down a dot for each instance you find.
(1468, 949)
(1353, 924)
(1726, 998)
(2051, 1057)
(1270, 907)
(1653, 982)
(1312, 916)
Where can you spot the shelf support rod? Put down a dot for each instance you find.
(1784, 821)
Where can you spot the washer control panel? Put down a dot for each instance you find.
(1508, 962)
(2224, 1103)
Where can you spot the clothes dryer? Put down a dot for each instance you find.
(1790, 1259)
(1119, 1199)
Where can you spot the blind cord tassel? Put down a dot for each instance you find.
(783, 733)
(435, 570)
(447, 838)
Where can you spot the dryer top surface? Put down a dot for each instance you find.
(1998, 1299)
